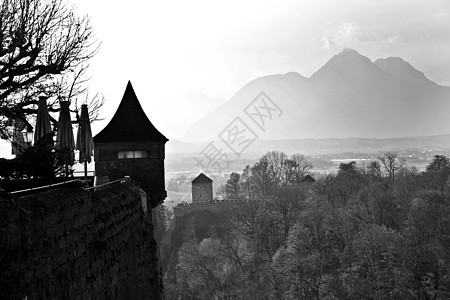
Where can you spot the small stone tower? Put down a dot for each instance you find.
(202, 190)
(131, 146)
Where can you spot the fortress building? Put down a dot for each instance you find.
(131, 146)
(202, 190)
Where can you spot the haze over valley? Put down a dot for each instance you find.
(351, 108)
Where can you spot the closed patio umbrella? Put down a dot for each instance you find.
(84, 138)
(64, 136)
(43, 126)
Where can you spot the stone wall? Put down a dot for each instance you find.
(147, 172)
(202, 191)
(214, 206)
(180, 211)
(73, 244)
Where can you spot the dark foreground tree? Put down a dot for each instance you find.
(232, 187)
(374, 170)
(439, 162)
(44, 48)
(347, 167)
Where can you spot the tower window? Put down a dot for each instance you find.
(132, 154)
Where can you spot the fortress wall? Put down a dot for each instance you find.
(73, 244)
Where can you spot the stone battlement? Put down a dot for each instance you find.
(212, 206)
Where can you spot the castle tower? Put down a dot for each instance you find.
(202, 190)
(131, 146)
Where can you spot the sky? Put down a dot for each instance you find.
(174, 51)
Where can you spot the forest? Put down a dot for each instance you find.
(375, 231)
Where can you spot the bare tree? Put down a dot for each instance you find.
(288, 204)
(391, 163)
(276, 161)
(260, 180)
(44, 49)
(293, 169)
(303, 166)
(288, 172)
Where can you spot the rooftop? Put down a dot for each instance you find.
(202, 178)
(130, 123)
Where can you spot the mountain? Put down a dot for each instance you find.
(309, 146)
(348, 66)
(350, 96)
(400, 69)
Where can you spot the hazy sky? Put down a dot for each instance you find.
(169, 49)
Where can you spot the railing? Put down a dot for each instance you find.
(44, 187)
(121, 180)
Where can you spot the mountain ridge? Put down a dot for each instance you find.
(348, 96)
(331, 145)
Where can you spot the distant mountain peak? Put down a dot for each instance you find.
(349, 51)
(392, 59)
(350, 96)
(394, 64)
(397, 67)
(345, 65)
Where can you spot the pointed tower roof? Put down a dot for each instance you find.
(202, 178)
(130, 123)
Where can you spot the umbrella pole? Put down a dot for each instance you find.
(85, 170)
